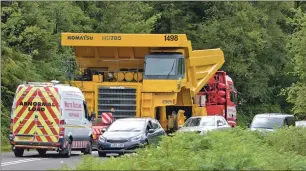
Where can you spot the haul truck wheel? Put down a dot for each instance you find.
(42, 152)
(18, 152)
(88, 150)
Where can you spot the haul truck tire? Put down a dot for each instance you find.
(18, 152)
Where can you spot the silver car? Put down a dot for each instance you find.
(271, 121)
(202, 124)
(126, 135)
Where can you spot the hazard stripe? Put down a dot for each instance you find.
(43, 98)
(38, 138)
(23, 123)
(43, 138)
(56, 96)
(53, 118)
(29, 127)
(19, 111)
(46, 120)
(44, 132)
(19, 94)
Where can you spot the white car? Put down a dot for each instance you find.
(202, 124)
(300, 123)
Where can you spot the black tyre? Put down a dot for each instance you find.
(88, 150)
(42, 152)
(102, 154)
(18, 152)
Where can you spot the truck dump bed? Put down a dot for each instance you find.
(97, 50)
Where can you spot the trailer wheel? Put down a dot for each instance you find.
(18, 152)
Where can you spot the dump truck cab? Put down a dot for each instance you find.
(142, 75)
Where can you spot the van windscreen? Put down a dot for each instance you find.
(267, 122)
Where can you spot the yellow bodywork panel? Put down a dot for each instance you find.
(124, 56)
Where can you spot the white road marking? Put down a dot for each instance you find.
(21, 161)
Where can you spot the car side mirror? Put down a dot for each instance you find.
(103, 130)
(219, 123)
(150, 131)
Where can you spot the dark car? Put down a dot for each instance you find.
(126, 135)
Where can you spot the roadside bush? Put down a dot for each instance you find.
(292, 139)
(235, 149)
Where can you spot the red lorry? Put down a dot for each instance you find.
(220, 97)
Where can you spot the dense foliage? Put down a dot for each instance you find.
(263, 42)
(243, 150)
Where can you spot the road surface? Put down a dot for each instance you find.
(32, 161)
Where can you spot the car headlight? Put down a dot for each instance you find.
(102, 139)
(137, 138)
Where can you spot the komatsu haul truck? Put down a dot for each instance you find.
(142, 75)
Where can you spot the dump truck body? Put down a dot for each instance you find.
(142, 75)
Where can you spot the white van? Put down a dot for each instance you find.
(50, 116)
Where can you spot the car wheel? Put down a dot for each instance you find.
(18, 152)
(89, 148)
(101, 154)
(42, 152)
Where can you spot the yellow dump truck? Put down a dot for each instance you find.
(142, 75)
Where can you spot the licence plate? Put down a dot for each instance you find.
(24, 138)
(117, 145)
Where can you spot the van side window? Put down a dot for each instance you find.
(85, 110)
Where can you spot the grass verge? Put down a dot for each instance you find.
(5, 145)
(236, 149)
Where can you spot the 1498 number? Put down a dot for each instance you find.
(171, 37)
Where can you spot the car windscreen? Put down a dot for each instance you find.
(205, 121)
(127, 126)
(208, 121)
(267, 122)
